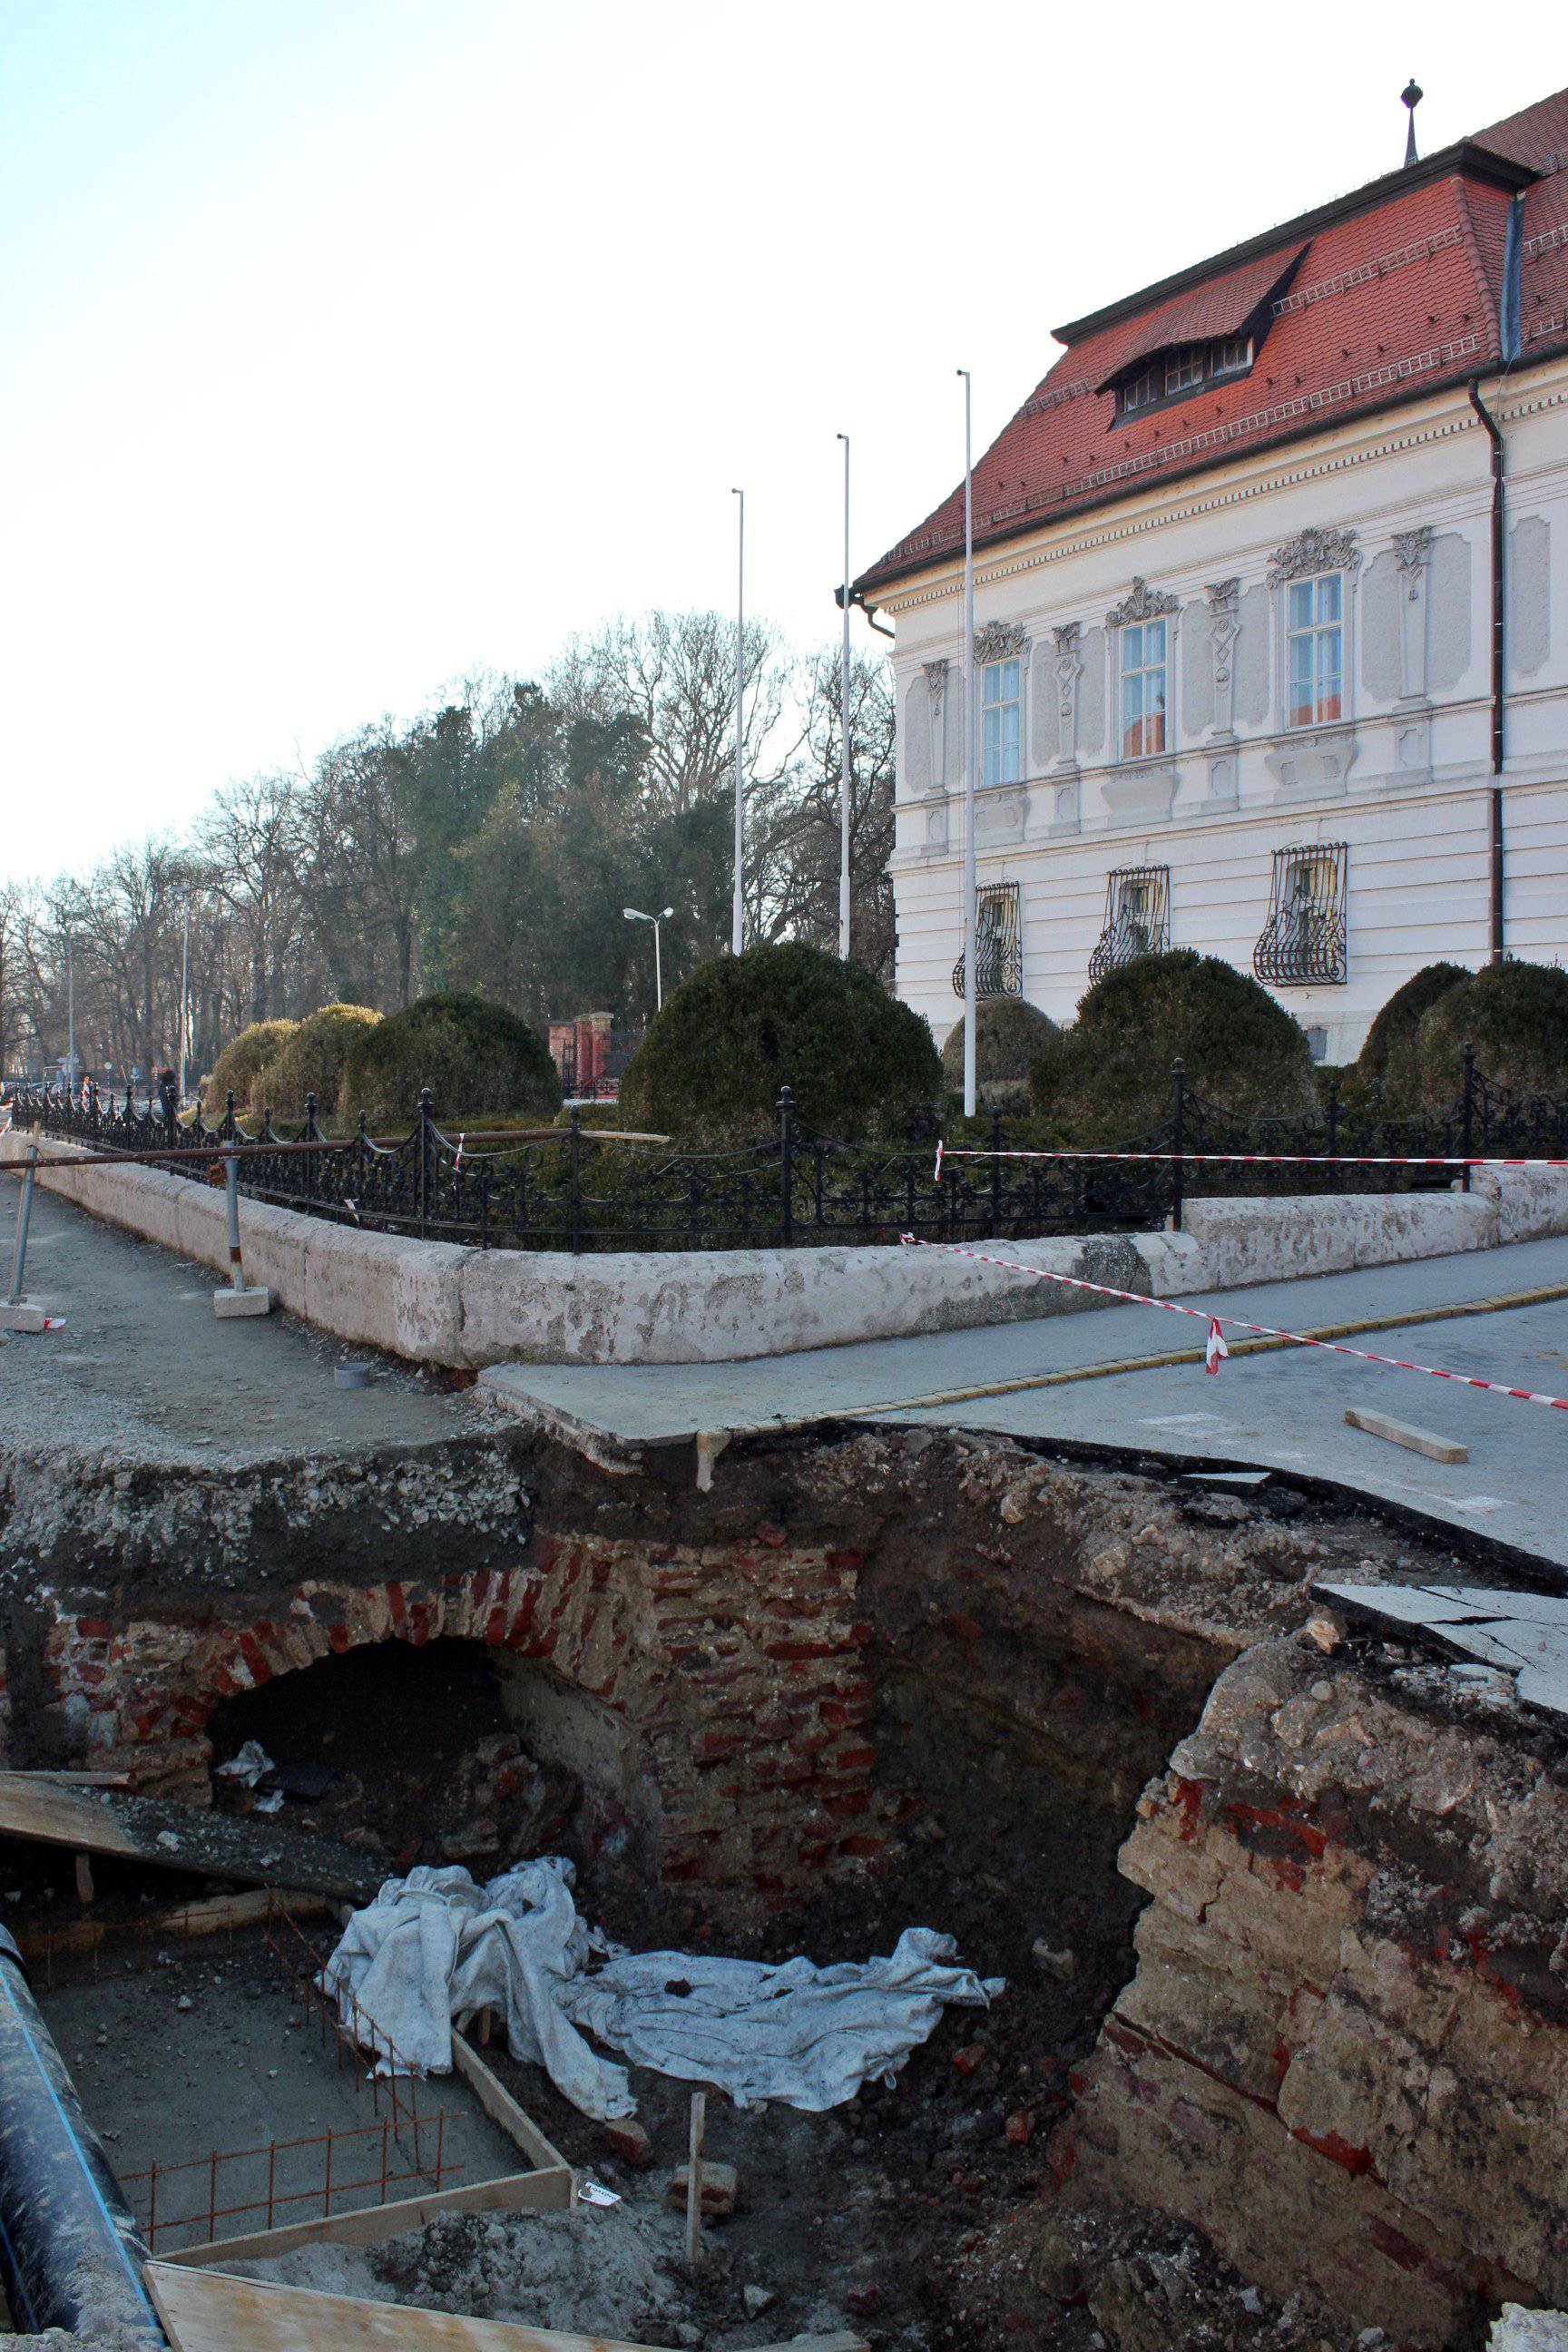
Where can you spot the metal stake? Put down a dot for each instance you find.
(694, 2177)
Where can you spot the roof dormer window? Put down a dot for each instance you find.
(1172, 374)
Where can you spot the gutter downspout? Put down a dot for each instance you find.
(70, 2253)
(1509, 337)
(870, 613)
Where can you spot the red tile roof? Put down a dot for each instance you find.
(1224, 307)
(1378, 297)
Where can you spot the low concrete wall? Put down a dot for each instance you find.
(436, 1302)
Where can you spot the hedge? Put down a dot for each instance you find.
(1010, 1035)
(1389, 1041)
(311, 1062)
(1109, 1076)
(476, 1057)
(1516, 1017)
(712, 1064)
(238, 1063)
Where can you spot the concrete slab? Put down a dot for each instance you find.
(1284, 1409)
(230, 1305)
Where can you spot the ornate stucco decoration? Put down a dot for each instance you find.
(999, 641)
(1313, 551)
(1068, 666)
(1412, 552)
(936, 713)
(1224, 628)
(1142, 604)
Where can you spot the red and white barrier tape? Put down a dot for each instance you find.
(1252, 1159)
(1214, 1347)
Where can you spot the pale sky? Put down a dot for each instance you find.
(350, 345)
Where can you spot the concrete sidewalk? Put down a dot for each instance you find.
(1286, 1410)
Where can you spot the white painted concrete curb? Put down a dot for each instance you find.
(436, 1302)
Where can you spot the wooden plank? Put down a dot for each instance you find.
(207, 2311)
(514, 2192)
(1405, 1433)
(501, 2106)
(181, 1837)
(209, 1917)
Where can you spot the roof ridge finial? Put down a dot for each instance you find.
(1411, 96)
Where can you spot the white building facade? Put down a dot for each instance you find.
(1254, 704)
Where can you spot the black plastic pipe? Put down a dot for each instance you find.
(70, 2253)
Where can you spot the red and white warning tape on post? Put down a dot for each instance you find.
(1253, 1159)
(1215, 1348)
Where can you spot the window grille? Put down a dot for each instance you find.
(998, 943)
(1304, 938)
(1137, 918)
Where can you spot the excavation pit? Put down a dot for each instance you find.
(869, 1679)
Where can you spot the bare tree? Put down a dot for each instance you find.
(249, 839)
(674, 673)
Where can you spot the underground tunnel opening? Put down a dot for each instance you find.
(435, 1754)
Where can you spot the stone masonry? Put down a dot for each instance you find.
(737, 1669)
(1344, 2054)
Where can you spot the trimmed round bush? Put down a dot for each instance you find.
(477, 1058)
(1516, 1017)
(1109, 1078)
(238, 1063)
(1386, 1051)
(712, 1064)
(1010, 1036)
(312, 1061)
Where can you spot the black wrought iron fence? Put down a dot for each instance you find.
(572, 1188)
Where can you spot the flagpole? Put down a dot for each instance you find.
(737, 916)
(970, 733)
(844, 732)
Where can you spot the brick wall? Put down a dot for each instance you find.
(738, 1668)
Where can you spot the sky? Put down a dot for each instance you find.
(348, 347)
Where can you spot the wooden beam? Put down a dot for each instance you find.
(211, 2311)
(210, 1917)
(501, 2106)
(1405, 1433)
(219, 1845)
(514, 2192)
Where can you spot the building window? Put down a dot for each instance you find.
(1182, 370)
(1001, 733)
(1144, 652)
(1304, 939)
(1314, 650)
(1137, 918)
(998, 943)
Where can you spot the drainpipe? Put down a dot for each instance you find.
(71, 2256)
(1499, 659)
(870, 612)
(1509, 339)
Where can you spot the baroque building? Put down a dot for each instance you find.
(1271, 616)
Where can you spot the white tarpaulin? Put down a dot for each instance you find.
(433, 1945)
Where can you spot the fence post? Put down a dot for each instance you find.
(1178, 1137)
(311, 1135)
(786, 1165)
(1333, 1112)
(995, 1175)
(92, 1106)
(1468, 1116)
(574, 1173)
(426, 1145)
(227, 1129)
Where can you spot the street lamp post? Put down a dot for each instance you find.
(844, 731)
(738, 914)
(635, 915)
(970, 738)
(184, 991)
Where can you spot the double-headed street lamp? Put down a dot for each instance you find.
(635, 915)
